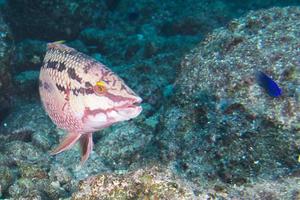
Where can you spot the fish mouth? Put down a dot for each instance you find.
(131, 109)
(135, 102)
(100, 118)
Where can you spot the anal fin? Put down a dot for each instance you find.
(86, 143)
(67, 143)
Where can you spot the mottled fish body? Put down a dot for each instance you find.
(82, 96)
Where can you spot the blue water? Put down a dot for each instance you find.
(205, 119)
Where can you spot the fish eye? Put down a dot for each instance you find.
(100, 88)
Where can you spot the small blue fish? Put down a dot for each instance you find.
(268, 84)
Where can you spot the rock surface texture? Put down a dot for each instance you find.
(207, 130)
(221, 124)
(6, 50)
(147, 183)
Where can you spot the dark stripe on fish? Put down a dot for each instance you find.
(72, 75)
(47, 86)
(51, 64)
(60, 88)
(89, 90)
(82, 91)
(88, 65)
(88, 85)
(61, 67)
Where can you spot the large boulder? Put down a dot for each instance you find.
(225, 64)
(221, 124)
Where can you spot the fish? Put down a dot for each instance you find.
(268, 84)
(82, 96)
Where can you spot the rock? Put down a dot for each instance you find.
(226, 62)
(29, 55)
(5, 160)
(44, 140)
(78, 45)
(63, 177)
(70, 160)
(6, 51)
(99, 57)
(55, 191)
(53, 20)
(24, 188)
(93, 36)
(32, 171)
(6, 178)
(19, 151)
(208, 137)
(268, 190)
(150, 49)
(112, 4)
(123, 144)
(30, 122)
(147, 183)
(186, 26)
(220, 118)
(27, 81)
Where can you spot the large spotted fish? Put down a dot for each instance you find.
(82, 96)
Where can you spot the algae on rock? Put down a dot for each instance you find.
(147, 183)
(221, 126)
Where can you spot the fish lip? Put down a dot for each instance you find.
(134, 102)
(130, 109)
(137, 101)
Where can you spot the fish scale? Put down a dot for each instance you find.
(82, 96)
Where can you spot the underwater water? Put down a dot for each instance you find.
(220, 88)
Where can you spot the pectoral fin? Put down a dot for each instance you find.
(67, 143)
(86, 143)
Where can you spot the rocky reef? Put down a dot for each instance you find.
(147, 183)
(207, 130)
(223, 125)
(226, 62)
(6, 52)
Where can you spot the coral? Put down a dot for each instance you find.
(147, 183)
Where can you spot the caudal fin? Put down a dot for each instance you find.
(67, 143)
(86, 143)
